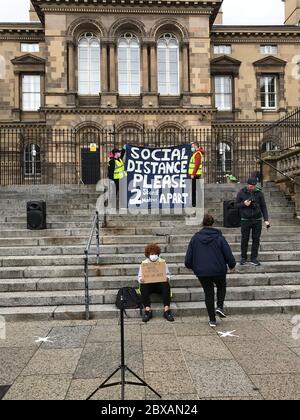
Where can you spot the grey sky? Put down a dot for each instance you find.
(236, 12)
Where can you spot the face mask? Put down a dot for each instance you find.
(193, 149)
(154, 258)
(117, 155)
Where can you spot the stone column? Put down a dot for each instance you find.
(17, 90)
(104, 73)
(145, 69)
(112, 66)
(153, 67)
(185, 67)
(109, 95)
(71, 100)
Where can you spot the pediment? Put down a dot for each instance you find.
(225, 60)
(28, 59)
(270, 62)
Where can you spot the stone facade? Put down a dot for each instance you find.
(195, 26)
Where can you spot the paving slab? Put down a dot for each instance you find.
(12, 362)
(67, 337)
(221, 378)
(161, 361)
(278, 387)
(53, 362)
(53, 387)
(101, 359)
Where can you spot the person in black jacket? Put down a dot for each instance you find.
(209, 256)
(252, 205)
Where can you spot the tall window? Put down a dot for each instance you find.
(32, 160)
(31, 92)
(222, 49)
(129, 65)
(168, 65)
(89, 65)
(223, 93)
(268, 92)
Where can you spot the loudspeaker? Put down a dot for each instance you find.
(232, 216)
(36, 215)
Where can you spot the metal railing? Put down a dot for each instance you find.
(285, 133)
(278, 170)
(40, 155)
(87, 253)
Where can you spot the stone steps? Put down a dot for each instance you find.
(115, 283)
(115, 259)
(75, 248)
(119, 270)
(181, 309)
(41, 272)
(182, 294)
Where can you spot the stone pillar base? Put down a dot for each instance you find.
(109, 100)
(150, 100)
(71, 99)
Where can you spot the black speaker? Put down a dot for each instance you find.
(36, 215)
(232, 216)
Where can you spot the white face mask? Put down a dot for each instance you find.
(154, 258)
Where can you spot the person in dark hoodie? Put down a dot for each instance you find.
(209, 256)
(252, 205)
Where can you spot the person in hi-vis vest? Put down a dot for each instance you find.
(116, 167)
(196, 169)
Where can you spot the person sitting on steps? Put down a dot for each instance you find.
(152, 253)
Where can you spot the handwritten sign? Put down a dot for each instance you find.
(157, 178)
(154, 272)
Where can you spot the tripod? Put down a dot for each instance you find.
(123, 367)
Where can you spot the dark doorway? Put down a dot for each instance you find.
(90, 166)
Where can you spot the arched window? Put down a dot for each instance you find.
(168, 65)
(129, 65)
(224, 160)
(89, 65)
(32, 160)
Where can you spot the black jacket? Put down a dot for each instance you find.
(258, 208)
(209, 254)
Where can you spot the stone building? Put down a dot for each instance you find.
(147, 64)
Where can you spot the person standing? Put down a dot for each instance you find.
(116, 168)
(209, 256)
(252, 205)
(196, 169)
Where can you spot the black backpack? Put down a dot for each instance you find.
(127, 298)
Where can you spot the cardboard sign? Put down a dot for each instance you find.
(93, 147)
(154, 272)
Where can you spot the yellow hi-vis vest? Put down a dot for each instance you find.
(119, 172)
(192, 164)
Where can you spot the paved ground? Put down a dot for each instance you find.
(184, 360)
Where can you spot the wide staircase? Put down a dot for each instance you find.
(42, 276)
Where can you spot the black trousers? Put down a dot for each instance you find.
(159, 288)
(194, 191)
(256, 227)
(208, 284)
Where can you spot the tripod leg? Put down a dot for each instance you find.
(123, 383)
(102, 385)
(143, 382)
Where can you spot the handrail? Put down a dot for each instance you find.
(278, 170)
(95, 227)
